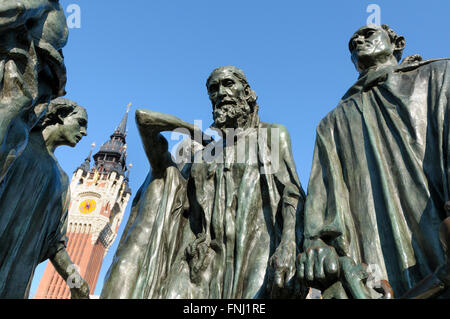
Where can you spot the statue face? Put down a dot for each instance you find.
(228, 98)
(370, 45)
(74, 128)
(225, 89)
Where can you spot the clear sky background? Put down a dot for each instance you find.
(159, 53)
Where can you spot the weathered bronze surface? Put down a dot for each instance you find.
(34, 199)
(381, 173)
(436, 284)
(213, 228)
(32, 71)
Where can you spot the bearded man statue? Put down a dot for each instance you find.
(224, 223)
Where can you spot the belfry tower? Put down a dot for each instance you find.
(99, 197)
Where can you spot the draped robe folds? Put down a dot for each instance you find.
(34, 200)
(150, 240)
(381, 172)
(233, 204)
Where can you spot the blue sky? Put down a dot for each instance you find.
(159, 53)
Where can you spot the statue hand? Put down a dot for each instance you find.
(318, 267)
(199, 256)
(80, 293)
(283, 265)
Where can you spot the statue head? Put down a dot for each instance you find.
(234, 102)
(65, 123)
(35, 29)
(373, 46)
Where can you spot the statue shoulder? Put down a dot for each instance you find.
(416, 61)
(431, 70)
(280, 129)
(439, 64)
(284, 138)
(329, 121)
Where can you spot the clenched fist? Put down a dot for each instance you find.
(318, 267)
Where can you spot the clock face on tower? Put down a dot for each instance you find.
(87, 206)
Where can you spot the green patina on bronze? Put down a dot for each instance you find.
(381, 173)
(212, 229)
(34, 200)
(32, 70)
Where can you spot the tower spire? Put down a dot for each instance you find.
(122, 128)
(130, 166)
(86, 165)
(112, 154)
(90, 153)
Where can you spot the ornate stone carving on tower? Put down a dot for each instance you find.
(99, 197)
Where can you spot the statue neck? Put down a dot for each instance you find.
(380, 63)
(51, 137)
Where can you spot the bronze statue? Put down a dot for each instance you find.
(225, 223)
(32, 70)
(380, 175)
(34, 201)
(436, 284)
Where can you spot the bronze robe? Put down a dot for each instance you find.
(34, 201)
(381, 172)
(233, 205)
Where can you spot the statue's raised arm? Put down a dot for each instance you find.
(151, 124)
(226, 225)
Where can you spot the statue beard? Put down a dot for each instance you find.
(233, 115)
